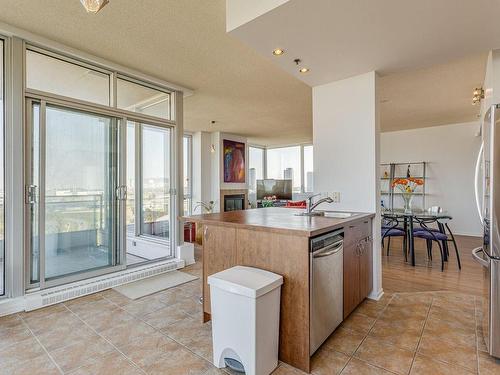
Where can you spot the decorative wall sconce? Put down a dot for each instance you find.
(477, 95)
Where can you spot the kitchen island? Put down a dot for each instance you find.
(278, 240)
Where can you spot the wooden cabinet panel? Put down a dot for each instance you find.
(351, 278)
(366, 269)
(357, 264)
(219, 253)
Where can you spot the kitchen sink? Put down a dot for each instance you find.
(332, 214)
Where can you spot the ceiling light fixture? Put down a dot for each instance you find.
(93, 6)
(304, 70)
(278, 52)
(477, 95)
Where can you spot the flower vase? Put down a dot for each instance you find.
(408, 198)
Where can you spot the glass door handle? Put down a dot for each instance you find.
(30, 194)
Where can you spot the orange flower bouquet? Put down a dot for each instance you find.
(407, 187)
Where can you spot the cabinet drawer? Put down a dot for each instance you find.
(357, 231)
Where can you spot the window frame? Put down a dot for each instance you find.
(189, 196)
(122, 116)
(302, 169)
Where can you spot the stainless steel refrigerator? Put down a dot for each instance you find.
(488, 203)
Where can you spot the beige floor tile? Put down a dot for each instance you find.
(344, 340)
(464, 317)
(81, 353)
(144, 350)
(124, 333)
(411, 312)
(14, 335)
(426, 366)
(41, 365)
(406, 299)
(450, 335)
(66, 335)
(10, 321)
(442, 327)
(449, 352)
(183, 330)
(44, 312)
(201, 345)
(164, 317)
(488, 365)
(370, 308)
(88, 309)
(108, 319)
(357, 367)
(113, 363)
(181, 362)
(170, 296)
(143, 306)
(328, 362)
(25, 350)
(284, 369)
(40, 325)
(384, 355)
(404, 335)
(358, 322)
(115, 297)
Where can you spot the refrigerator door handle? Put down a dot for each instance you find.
(476, 184)
(478, 258)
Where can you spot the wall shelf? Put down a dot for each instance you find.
(391, 171)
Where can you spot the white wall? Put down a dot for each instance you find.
(451, 151)
(346, 151)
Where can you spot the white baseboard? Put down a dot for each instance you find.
(376, 295)
(43, 298)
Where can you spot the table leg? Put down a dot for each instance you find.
(411, 242)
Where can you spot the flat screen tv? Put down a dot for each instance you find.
(282, 189)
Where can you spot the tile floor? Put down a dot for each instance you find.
(106, 333)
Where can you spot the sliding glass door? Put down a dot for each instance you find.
(71, 197)
(149, 202)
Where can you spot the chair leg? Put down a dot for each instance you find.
(429, 249)
(442, 256)
(388, 245)
(455, 246)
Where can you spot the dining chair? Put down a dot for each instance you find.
(391, 228)
(425, 232)
(443, 232)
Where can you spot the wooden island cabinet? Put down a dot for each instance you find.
(276, 240)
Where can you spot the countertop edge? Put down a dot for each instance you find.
(296, 232)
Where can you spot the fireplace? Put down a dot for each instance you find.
(234, 202)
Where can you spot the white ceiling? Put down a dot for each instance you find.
(337, 39)
(184, 42)
(430, 55)
(437, 95)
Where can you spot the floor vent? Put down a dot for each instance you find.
(52, 296)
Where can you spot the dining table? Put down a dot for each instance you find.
(415, 215)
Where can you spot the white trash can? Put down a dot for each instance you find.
(245, 304)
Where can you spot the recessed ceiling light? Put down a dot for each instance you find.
(278, 52)
(304, 70)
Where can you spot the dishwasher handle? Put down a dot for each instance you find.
(329, 250)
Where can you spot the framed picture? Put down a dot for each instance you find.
(234, 161)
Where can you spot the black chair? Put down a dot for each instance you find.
(391, 228)
(439, 235)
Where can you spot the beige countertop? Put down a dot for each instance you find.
(278, 220)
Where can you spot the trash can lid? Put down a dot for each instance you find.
(246, 281)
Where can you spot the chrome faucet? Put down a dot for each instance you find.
(311, 206)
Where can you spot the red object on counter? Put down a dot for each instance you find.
(296, 204)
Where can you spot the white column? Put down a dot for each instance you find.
(346, 151)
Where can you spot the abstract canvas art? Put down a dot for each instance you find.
(234, 161)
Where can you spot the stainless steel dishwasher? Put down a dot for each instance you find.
(327, 296)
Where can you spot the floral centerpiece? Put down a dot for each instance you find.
(407, 187)
(269, 201)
